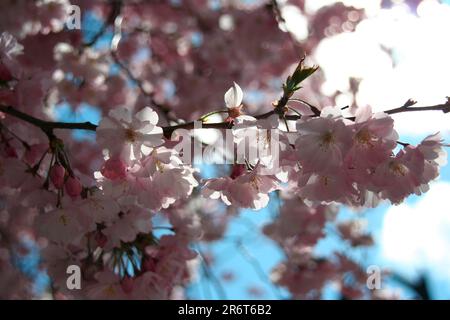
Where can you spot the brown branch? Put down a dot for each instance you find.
(445, 108)
(48, 126)
(439, 107)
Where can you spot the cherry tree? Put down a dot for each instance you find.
(157, 71)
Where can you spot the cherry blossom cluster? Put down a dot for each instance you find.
(305, 274)
(126, 206)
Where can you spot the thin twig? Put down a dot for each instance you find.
(209, 274)
(257, 267)
(280, 19)
(164, 110)
(116, 7)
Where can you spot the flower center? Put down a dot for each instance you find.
(364, 137)
(159, 166)
(130, 135)
(63, 220)
(110, 291)
(398, 169)
(235, 112)
(325, 180)
(327, 139)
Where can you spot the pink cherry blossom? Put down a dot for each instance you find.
(124, 134)
(114, 168)
(107, 287)
(120, 201)
(61, 226)
(57, 175)
(322, 144)
(163, 179)
(126, 226)
(249, 190)
(73, 186)
(9, 50)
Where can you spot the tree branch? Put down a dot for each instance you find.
(48, 126)
(445, 108)
(439, 107)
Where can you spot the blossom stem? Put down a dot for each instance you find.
(205, 116)
(313, 108)
(38, 164)
(405, 144)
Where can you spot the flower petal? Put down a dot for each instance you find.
(147, 114)
(233, 97)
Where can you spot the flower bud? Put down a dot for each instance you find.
(73, 187)
(57, 173)
(114, 169)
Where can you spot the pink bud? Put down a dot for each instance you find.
(101, 239)
(114, 168)
(127, 284)
(73, 187)
(57, 173)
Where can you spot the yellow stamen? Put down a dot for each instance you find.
(325, 180)
(110, 291)
(63, 219)
(398, 169)
(327, 139)
(364, 137)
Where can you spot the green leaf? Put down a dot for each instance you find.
(300, 74)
